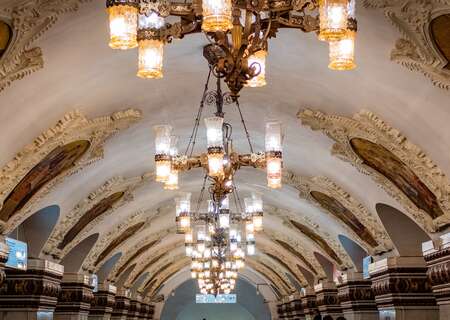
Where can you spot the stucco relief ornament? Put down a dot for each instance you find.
(125, 187)
(401, 168)
(153, 240)
(287, 216)
(29, 21)
(137, 218)
(416, 50)
(74, 126)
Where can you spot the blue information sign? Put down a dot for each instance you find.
(221, 298)
(18, 254)
(366, 262)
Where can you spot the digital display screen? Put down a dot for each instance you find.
(221, 298)
(18, 254)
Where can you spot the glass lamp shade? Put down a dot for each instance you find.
(258, 221)
(162, 139)
(215, 164)
(172, 180)
(152, 21)
(224, 220)
(249, 227)
(258, 62)
(188, 237)
(163, 169)
(123, 22)
(333, 19)
(193, 275)
(183, 203)
(251, 249)
(342, 53)
(217, 15)
(214, 133)
(189, 250)
(151, 54)
(185, 221)
(274, 136)
(274, 172)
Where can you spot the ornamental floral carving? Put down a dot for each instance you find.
(324, 185)
(116, 185)
(134, 254)
(288, 216)
(74, 126)
(29, 21)
(428, 178)
(416, 49)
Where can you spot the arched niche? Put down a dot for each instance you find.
(326, 264)
(124, 276)
(106, 268)
(354, 250)
(36, 229)
(73, 261)
(139, 281)
(406, 235)
(308, 276)
(439, 30)
(294, 282)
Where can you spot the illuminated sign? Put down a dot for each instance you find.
(221, 298)
(366, 262)
(18, 254)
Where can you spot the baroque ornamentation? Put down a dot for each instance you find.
(29, 21)
(411, 176)
(74, 126)
(307, 186)
(117, 185)
(417, 50)
(287, 216)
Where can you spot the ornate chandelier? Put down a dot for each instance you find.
(218, 239)
(239, 31)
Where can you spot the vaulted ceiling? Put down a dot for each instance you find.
(96, 163)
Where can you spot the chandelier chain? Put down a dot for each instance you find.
(247, 134)
(193, 137)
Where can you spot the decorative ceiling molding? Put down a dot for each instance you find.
(282, 260)
(325, 185)
(163, 274)
(29, 21)
(154, 260)
(274, 236)
(286, 216)
(417, 50)
(125, 261)
(74, 126)
(367, 126)
(270, 265)
(112, 186)
(269, 274)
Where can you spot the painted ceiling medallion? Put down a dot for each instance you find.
(5, 37)
(439, 28)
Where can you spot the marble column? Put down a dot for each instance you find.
(309, 303)
(121, 305)
(327, 299)
(402, 290)
(356, 297)
(135, 307)
(4, 250)
(437, 257)
(102, 306)
(31, 294)
(75, 298)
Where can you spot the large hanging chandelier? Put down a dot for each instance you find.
(218, 238)
(239, 31)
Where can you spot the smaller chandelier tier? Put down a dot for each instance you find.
(218, 240)
(239, 32)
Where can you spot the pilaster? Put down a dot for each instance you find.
(309, 303)
(437, 257)
(75, 298)
(31, 294)
(296, 307)
(135, 307)
(102, 306)
(402, 290)
(327, 299)
(356, 297)
(121, 305)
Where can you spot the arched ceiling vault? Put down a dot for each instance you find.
(96, 163)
